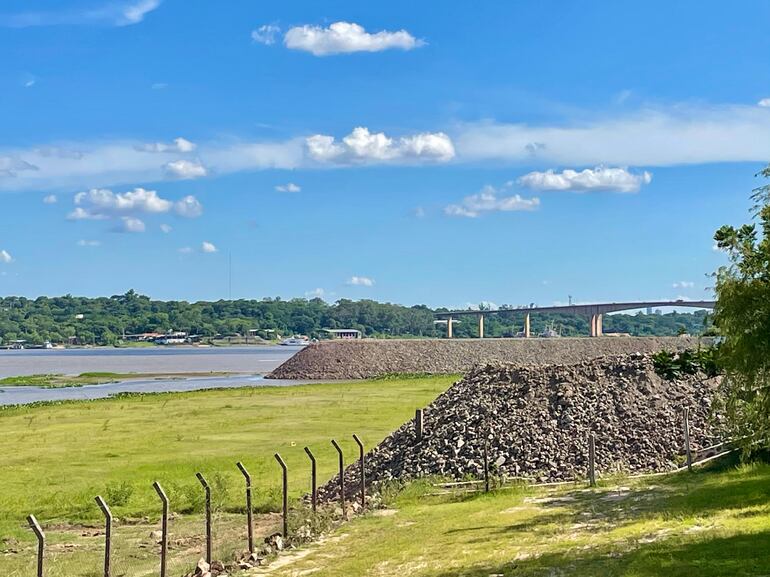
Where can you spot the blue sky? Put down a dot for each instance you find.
(414, 152)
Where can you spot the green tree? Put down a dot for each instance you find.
(742, 315)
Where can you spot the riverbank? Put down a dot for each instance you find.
(56, 381)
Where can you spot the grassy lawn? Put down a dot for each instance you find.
(57, 380)
(56, 458)
(708, 523)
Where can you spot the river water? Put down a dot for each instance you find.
(251, 362)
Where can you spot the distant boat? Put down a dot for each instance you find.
(295, 342)
(549, 332)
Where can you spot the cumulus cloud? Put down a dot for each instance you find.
(599, 178)
(488, 200)
(683, 284)
(208, 247)
(5, 257)
(166, 228)
(130, 224)
(184, 169)
(265, 34)
(104, 204)
(764, 103)
(50, 199)
(671, 136)
(289, 187)
(360, 281)
(188, 207)
(177, 145)
(346, 37)
(89, 243)
(112, 13)
(364, 146)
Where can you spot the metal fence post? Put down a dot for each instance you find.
(687, 447)
(249, 513)
(164, 528)
(486, 466)
(342, 477)
(362, 459)
(313, 480)
(107, 533)
(285, 495)
(40, 542)
(207, 489)
(418, 426)
(592, 460)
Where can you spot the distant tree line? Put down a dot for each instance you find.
(105, 320)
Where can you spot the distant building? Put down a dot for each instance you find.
(344, 333)
(649, 310)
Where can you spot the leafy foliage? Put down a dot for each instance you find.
(672, 366)
(742, 314)
(105, 320)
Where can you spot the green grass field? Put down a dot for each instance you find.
(706, 524)
(58, 457)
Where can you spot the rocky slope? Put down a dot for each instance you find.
(371, 358)
(537, 421)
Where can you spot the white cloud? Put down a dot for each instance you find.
(360, 281)
(488, 201)
(599, 178)
(177, 145)
(207, 247)
(10, 166)
(346, 37)
(130, 224)
(764, 103)
(185, 169)
(50, 199)
(5, 257)
(80, 213)
(364, 146)
(289, 187)
(188, 207)
(113, 13)
(265, 34)
(185, 250)
(683, 284)
(135, 12)
(665, 137)
(89, 243)
(317, 293)
(104, 202)
(166, 228)
(676, 135)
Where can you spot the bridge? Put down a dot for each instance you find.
(594, 312)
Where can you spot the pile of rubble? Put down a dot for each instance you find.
(536, 422)
(361, 359)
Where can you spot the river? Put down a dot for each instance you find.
(251, 362)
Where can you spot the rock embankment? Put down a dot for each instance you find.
(537, 420)
(372, 358)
